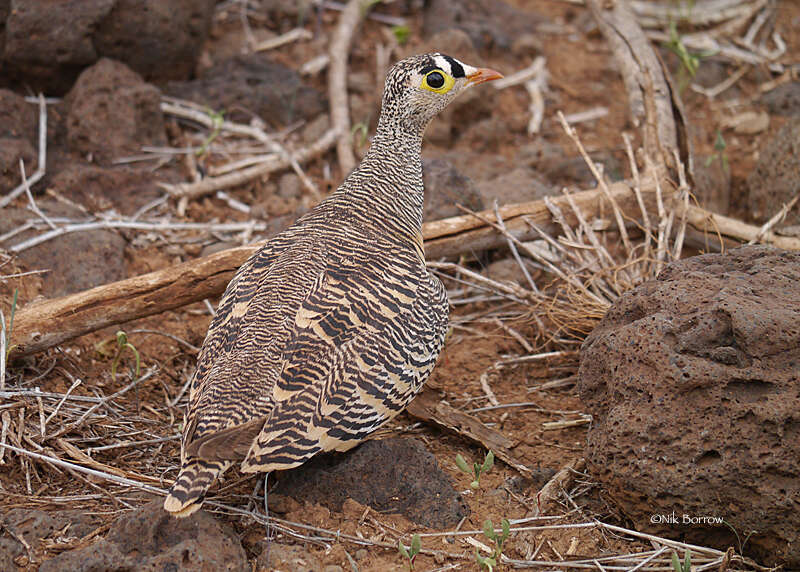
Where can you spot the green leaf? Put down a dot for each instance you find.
(488, 529)
(401, 34)
(676, 563)
(506, 528)
(488, 462)
(485, 562)
(462, 464)
(402, 549)
(687, 561)
(416, 544)
(123, 344)
(474, 485)
(719, 143)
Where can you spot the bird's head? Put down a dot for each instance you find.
(419, 87)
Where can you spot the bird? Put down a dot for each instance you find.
(331, 328)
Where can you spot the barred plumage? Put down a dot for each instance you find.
(331, 328)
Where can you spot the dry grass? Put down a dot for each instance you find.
(101, 444)
(584, 269)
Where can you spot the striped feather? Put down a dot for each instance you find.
(330, 329)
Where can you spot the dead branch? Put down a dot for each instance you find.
(428, 407)
(701, 13)
(287, 38)
(337, 81)
(562, 480)
(269, 165)
(716, 225)
(45, 324)
(42, 325)
(649, 95)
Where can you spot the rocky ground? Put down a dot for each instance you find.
(707, 425)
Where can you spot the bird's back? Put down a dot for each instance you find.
(329, 330)
(323, 335)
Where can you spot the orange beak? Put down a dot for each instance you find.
(482, 75)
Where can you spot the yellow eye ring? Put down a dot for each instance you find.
(448, 84)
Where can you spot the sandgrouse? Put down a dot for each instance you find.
(330, 329)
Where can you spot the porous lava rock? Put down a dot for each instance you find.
(776, 177)
(252, 85)
(113, 112)
(73, 262)
(101, 188)
(160, 39)
(693, 380)
(491, 24)
(49, 42)
(390, 475)
(32, 526)
(148, 538)
(784, 99)
(445, 189)
(18, 138)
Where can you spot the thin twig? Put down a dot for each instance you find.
(337, 81)
(600, 180)
(211, 184)
(522, 76)
(287, 38)
(40, 167)
(776, 218)
(74, 425)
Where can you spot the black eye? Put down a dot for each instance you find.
(435, 80)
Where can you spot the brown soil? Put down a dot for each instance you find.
(582, 76)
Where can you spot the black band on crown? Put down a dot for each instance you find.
(455, 67)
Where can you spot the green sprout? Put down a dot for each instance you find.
(411, 552)
(690, 62)
(477, 468)
(719, 152)
(361, 130)
(687, 562)
(401, 34)
(489, 562)
(122, 345)
(675, 44)
(218, 118)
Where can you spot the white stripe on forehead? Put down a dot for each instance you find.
(443, 63)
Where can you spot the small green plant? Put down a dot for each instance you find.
(719, 152)
(218, 118)
(401, 34)
(477, 468)
(122, 345)
(411, 552)
(7, 332)
(361, 130)
(687, 562)
(690, 62)
(675, 44)
(489, 562)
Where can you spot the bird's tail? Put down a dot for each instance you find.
(190, 488)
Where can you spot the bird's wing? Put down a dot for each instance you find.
(241, 355)
(360, 344)
(362, 349)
